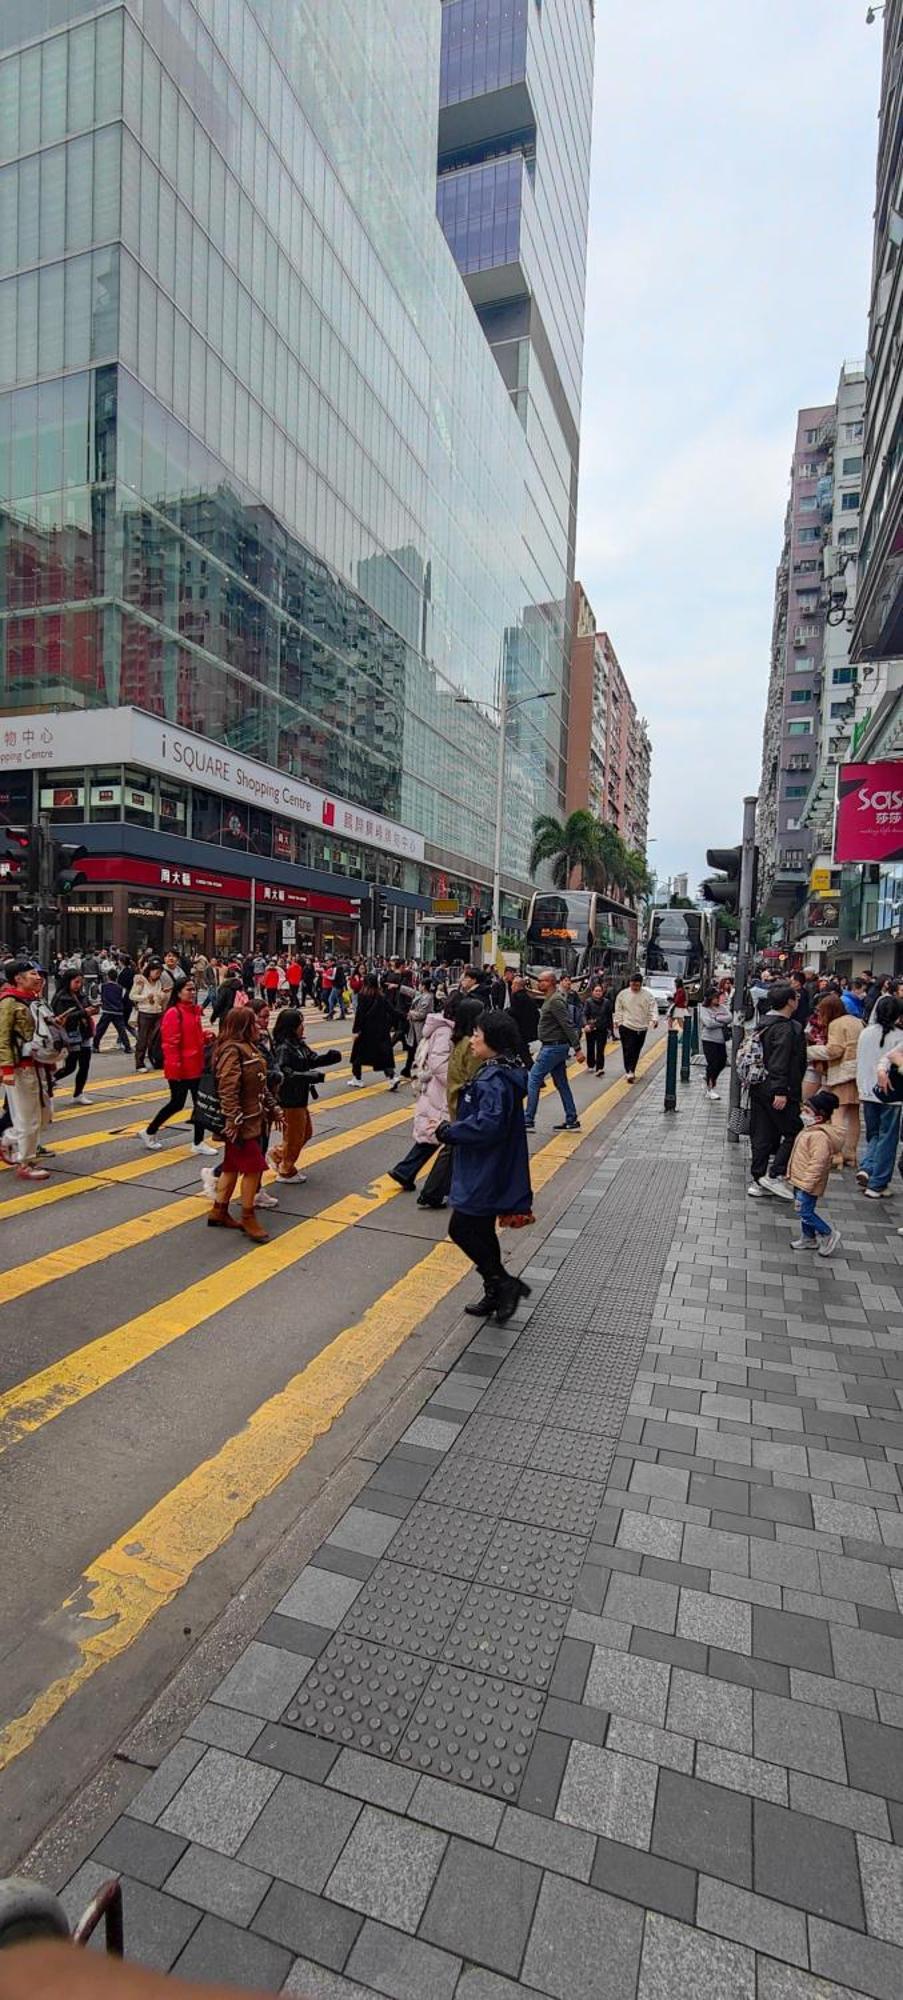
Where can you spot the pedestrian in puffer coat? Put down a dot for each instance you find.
(432, 1104)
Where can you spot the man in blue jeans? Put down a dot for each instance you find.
(558, 1035)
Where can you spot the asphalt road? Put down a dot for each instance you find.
(172, 1399)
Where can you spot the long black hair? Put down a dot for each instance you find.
(287, 1023)
(463, 1014)
(887, 1015)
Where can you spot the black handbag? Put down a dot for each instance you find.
(209, 1110)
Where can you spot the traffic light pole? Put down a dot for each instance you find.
(746, 916)
(499, 809)
(46, 869)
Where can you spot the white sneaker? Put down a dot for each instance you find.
(210, 1151)
(778, 1187)
(879, 1194)
(262, 1200)
(828, 1244)
(153, 1144)
(757, 1192)
(802, 1242)
(77, 1101)
(714, 1096)
(147, 1065)
(395, 1083)
(355, 1083)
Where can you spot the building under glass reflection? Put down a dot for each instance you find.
(278, 462)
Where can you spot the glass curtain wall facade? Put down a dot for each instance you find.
(515, 128)
(258, 473)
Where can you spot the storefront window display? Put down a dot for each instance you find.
(189, 929)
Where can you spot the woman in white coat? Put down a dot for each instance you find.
(429, 1077)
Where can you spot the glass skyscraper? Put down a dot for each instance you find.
(260, 475)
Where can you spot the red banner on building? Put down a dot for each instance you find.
(203, 882)
(869, 824)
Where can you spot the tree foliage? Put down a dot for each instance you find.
(595, 849)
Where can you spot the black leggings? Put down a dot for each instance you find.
(715, 1061)
(78, 1060)
(178, 1098)
(476, 1236)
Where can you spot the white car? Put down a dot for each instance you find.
(662, 985)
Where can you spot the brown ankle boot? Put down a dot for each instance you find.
(219, 1217)
(251, 1226)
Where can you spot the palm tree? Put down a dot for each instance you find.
(639, 880)
(569, 844)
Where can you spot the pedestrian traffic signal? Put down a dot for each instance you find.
(724, 888)
(66, 873)
(19, 857)
(380, 908)
(477, 920)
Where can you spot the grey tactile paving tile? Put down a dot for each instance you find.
(473, 1730)
(401, 1606)
(535, 1560)
(502, 1632)
(446, 1539)
(573, 1453)
(359, 1695)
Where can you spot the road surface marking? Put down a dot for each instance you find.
(152, 1163)
(75, 1257)
(124, 1588)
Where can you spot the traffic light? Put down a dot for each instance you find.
(724, 888)
(66, 873)
(477, 921)
(20, 857)
(380, 908)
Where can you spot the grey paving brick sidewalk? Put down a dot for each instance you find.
(596, 1691)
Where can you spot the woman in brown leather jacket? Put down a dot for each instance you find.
(241, 1076)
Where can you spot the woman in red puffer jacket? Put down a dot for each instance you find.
(184, 1039)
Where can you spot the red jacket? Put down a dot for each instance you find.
(182, 1030)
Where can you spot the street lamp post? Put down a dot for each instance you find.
(503, 708)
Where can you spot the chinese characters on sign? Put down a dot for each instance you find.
(869, 825)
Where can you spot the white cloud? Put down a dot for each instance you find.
(733, 186)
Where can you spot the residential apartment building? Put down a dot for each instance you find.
(878, 629)
(609, 751)
(792, 714)
(588, 712)
(273, 523)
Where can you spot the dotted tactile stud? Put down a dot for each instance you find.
(359, 1695)
(407, 1607)
(502, 1632)
(443, 1538)
(534, 1560)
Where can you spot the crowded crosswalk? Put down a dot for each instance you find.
(160, 1383)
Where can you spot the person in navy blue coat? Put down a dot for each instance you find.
(490, 1161)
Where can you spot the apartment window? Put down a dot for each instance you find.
(799, 728)
(792, 825)
(848, 538)
(804, 568)
(808, 503)
(851, 465)
(811, 436)
(809, 535)
(805, 664)
(838, 708)
(806, 471)
(801, 694)
(849, 503)
(852, 433)
(843, 675)
(796, 791)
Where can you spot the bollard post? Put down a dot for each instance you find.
(671, 1066)
(685, 1039)
(694, 1031)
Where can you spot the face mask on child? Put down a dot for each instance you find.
(809, 1118)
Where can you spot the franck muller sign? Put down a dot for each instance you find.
(126, 735)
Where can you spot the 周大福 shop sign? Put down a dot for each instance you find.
(869, 822)
(128, 736)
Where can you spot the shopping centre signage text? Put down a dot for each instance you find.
(869, 824)
(128, 736)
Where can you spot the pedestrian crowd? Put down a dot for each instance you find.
(477, 1047)
(822, 1071)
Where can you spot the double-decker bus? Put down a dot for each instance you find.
(681, 945)
(580, 932)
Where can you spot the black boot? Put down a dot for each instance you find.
(510, 1292)
(482, 1308)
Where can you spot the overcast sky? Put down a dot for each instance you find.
(730, 247)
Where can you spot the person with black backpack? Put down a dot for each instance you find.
(775, 1062)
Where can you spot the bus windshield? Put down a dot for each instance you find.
(676, 944)
(580, 932)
